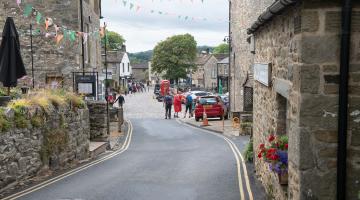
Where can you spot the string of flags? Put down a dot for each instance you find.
(58, 33)
(138, 7)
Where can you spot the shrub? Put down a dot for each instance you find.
(76, 101)
(21, 121)
(37, 121)
(20, 105)
(249, 151)
(4, 123)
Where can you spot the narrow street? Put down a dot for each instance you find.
(165, 160)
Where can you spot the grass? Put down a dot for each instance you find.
(249, 151)
(4, 123)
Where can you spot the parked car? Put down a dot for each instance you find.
(214, 107)
(226, 101)
(198, 94)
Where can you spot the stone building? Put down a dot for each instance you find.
(54, 64)
(296, 93)
(243, 13)
(211, 70)
(140, 72)
(223, 74)
(197, 77)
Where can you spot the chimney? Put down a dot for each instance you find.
(123, 48)
(208, 50)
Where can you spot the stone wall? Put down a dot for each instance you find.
(209, 67)
(98, 120)
(243, 14)
(54, 62)
(303, 46)
(63, 139)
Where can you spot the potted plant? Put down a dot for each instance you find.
(276, 155)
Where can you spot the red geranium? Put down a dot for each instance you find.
(260, 155)
(271, 138)
(262, 146)
(286, 146)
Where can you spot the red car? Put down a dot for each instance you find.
(213, 106)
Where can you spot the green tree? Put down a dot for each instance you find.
(114, 40)
(175, 56)
(222, 48)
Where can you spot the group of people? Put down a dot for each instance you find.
(176, 101)
(134, 87)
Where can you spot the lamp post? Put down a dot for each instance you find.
(82, 38)
(106, 82)
(32, 56)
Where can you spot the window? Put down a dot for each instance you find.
(226, 69)
(123, 65)
(282, 117)
(128, 67)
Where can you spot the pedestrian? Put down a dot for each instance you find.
(177, 105)
(168, 101)
(189, 104)
(120, 100)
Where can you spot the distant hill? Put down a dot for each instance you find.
(145, 56)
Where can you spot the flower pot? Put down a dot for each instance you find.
(283, 178)
(24, 90)
(4, 100)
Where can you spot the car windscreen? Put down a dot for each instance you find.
(208, 101)
(201, 94)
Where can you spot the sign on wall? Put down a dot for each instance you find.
(262, 73)
(86, 85)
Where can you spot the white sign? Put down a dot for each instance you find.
(262, 73)
(85, 88)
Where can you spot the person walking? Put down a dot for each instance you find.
(177, 105)
(120, 100)
(168, 101)
(189, 104)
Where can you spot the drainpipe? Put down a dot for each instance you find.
(343, 98)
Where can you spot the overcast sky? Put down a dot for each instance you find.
(143, 26)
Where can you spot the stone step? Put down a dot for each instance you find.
(97, 148)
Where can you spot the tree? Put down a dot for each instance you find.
(175, 56)
(114, 40)
(222, 48)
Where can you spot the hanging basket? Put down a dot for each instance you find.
(283, 178)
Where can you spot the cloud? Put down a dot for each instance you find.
(143, 29)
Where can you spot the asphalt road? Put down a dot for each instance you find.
(165, 160)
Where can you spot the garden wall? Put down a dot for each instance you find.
(40, 140)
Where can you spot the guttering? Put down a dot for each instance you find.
(277, 7)
(343, 99)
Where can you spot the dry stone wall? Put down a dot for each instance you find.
(61, 140)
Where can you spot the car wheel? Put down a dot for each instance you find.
(197, 119)
(221, 117)
(227, 116)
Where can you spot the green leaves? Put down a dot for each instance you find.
(114, 41)
(175, 56)
(222, 48)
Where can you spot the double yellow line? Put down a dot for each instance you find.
(240, 163)
(46, 183)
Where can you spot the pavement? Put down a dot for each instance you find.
(163, 159)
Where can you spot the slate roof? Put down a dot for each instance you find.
(202, 59)
(115, 56)
(224, 61)
(220, 57)
(140, 66)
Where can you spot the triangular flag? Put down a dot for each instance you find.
(137, 8)
(46, 24)
(58, 38)
(38, 17)
(102, 32)
(72, 36)
(124, 2)
(131, 5)
(152, 11)
(28, 10)
(18, 2)
(160, 13)
(56, 29)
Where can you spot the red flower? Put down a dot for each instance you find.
(260, 155)
(271, 138)
(286, 146)
(274, 157)
(262, 146)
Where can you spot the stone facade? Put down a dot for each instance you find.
(54, 64)
(98, 120)
(140, 72)
(243, 14)
(210, 72)
(303, 47)
(25, 152)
